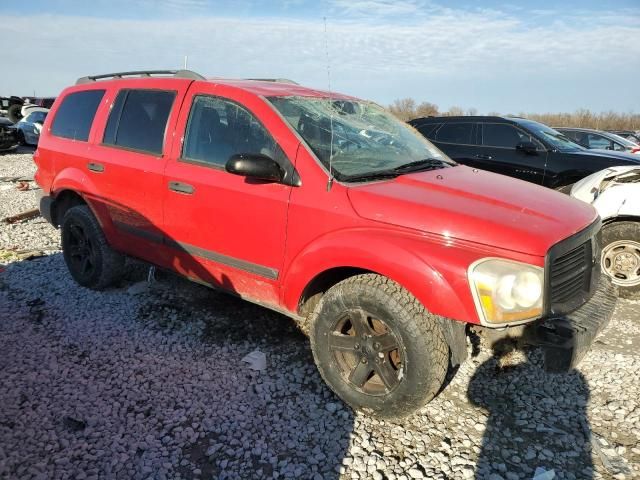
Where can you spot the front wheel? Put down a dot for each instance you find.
(621, 257)
(377, 347)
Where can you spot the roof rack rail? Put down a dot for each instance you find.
(141, 73)
(276, 80)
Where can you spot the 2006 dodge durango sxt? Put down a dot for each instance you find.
(328, 209)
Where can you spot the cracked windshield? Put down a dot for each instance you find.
(361, 139)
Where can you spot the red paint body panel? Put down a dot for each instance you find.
(468, 204)
(422, 230)
(226, 213)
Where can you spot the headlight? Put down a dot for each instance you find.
(506, 291)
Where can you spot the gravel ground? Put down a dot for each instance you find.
(147, 381)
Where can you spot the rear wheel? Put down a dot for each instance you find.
(377, 347)
(621, 257)
(90, 260)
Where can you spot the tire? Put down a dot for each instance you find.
(621, 257)
(21, 140)
(14, 112)
(90, 260)
(368, 324)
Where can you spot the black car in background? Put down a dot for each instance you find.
(517, 147)
(8, 135)
(595, 139)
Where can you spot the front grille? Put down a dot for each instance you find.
(570, 274)
(573, 270)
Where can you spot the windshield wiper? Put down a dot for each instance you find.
(380, 175)
(424, 164)
(417, 166)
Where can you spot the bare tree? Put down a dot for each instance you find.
(426, 109)
(455, 112)
(404, 108)
(407, 108)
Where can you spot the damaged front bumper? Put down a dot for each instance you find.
(565, 339)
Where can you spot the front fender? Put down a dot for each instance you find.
(433, 270)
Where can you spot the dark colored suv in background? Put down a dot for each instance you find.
(517, 147)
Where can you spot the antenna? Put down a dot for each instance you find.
(326, 49)
(186, 59)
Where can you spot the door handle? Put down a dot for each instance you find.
(95, 167)
(180, 187)
(484, 157)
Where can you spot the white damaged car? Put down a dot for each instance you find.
(615, 193)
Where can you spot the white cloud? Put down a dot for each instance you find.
(382, 60)
(376, 8)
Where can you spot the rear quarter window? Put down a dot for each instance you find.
(75, 115)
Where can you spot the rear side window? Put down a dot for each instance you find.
(75, 115)
(500, 135)
(138, 120)
(36, 117)
(455, 133)
(598, 141)
(428, 129)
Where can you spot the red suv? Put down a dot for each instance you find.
(325, 208)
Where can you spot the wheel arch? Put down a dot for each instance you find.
(64, 200)
(72, 187)
(620, 218)
(407, 270)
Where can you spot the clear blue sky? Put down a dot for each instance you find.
(508, 57)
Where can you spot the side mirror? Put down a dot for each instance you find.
(527, 147)
(254, 165)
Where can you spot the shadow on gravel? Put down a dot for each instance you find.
(199, 410)
(176, 400)
(534, 418)
(280, 423)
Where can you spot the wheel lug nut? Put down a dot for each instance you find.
(364, 359)
(376, 345)
(356, 346)
(380, 355)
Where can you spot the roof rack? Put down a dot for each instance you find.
(142, 73)
(275, 80)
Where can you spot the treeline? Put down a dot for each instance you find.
(407, 108)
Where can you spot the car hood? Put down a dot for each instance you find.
(474, 205)
(630, 157)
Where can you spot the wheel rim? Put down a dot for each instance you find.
(621, 261)
(369, 355)
(81, 250)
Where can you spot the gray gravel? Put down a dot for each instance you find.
(149, 383)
